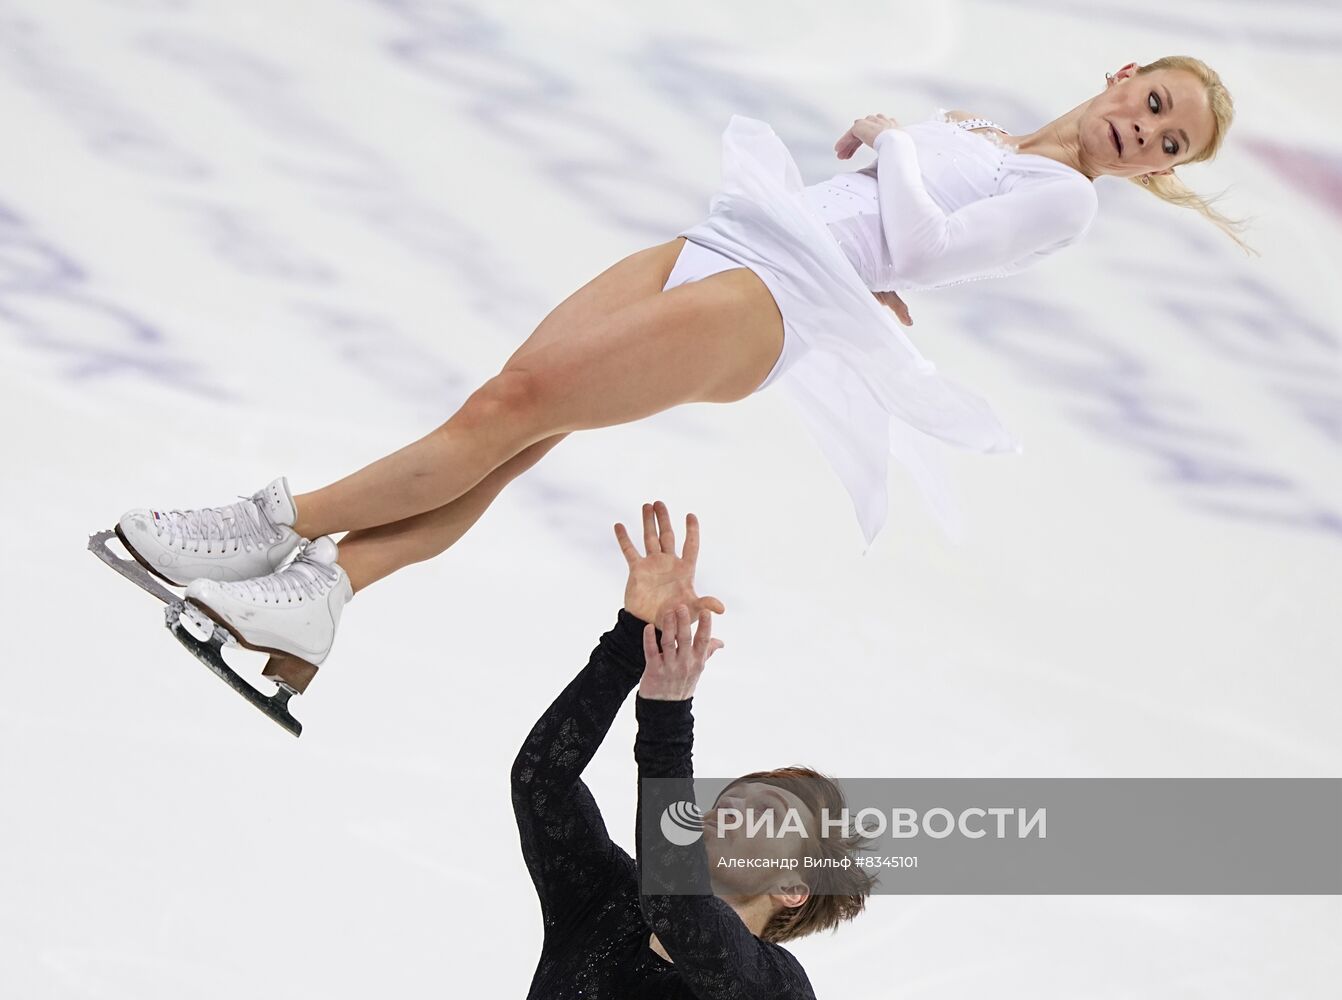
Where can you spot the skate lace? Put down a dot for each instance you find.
(245, 524)
(301, 579)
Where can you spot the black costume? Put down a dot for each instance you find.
(596, 923)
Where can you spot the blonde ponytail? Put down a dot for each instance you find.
(1170, 189)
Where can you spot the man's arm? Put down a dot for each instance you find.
(564, 840)
(711, 946)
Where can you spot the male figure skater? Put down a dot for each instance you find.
(605, 938)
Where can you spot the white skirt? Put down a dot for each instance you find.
(861, 387)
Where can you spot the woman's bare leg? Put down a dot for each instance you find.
(712, 340)
(370, 554)
(373, 553)
(637, 276)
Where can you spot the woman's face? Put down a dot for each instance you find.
(735, 828)
(1145, 123)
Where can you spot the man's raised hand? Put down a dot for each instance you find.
(660, 579)
(672, 672)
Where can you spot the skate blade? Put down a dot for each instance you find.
(199, 625)
(293, 674)
(197, 632)
(181, 617)
(131, 568)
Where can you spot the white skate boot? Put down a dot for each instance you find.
(243, 540)
(293, 611)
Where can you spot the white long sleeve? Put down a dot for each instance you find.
(930, 247)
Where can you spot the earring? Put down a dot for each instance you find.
(1146, 180)
(1109, 77)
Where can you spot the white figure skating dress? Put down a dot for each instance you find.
(941, 205)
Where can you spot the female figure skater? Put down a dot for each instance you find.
(776, 285)
(680, 921)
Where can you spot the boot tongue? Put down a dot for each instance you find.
(323, 550)
(278, 502)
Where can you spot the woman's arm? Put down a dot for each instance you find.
(929, 247)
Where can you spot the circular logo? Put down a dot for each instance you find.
(682, 823)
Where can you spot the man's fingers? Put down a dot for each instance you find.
(668, 535)
(691, 551)
(713, 604)
(704, 633)
(650, 651)
(683, 637)
(669, 629)
(626, 545)
(650, 543)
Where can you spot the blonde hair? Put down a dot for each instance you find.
(1168, 187)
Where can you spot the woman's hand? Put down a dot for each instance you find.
(661, 580)
(893, 300)
(864, 130)
(673, 671)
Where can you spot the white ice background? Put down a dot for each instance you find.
(244, 239)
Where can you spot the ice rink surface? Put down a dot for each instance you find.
(246, 239)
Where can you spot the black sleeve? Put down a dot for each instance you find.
(710, 945)
(564, 840)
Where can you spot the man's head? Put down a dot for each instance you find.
(775, 817)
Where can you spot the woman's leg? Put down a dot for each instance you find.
(712, 340)
(637, 276)
(373, 553)
(370, 554)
